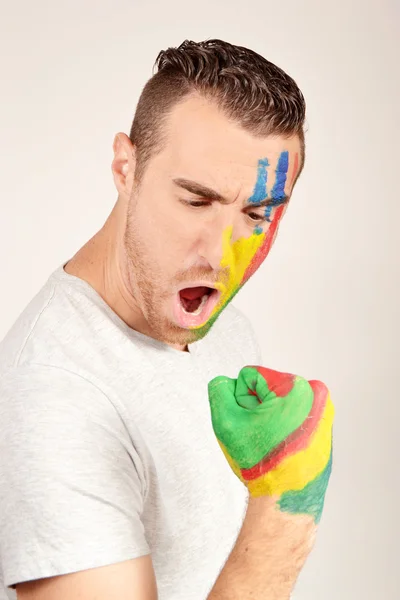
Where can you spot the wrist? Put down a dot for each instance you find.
(293, 533)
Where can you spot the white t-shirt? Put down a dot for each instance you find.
(107, 450)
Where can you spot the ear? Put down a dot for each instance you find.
(124, 164)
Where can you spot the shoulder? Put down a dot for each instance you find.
(237, 315)
(39, 402)
(233, 331)
(234, 323)
(67, 324)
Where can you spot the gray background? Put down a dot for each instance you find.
(325, 303)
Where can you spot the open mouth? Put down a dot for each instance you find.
(193, 299)
(194, 305)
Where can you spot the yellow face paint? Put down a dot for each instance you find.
(235, 261)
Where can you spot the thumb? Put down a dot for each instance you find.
(221, 394)
(223, 404)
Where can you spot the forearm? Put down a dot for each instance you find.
(268, 556)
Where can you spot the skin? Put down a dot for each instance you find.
(154, 241)
(275, 430)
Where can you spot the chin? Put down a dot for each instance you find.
(181, 336)
(170, 333)
(189, 336)
(167, 331)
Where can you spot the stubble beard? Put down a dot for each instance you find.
(150, 298)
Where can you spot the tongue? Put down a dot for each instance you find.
(194, 293)
(192, 297)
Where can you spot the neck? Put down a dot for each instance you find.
(101, 262)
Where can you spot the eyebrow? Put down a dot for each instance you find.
(205, 192)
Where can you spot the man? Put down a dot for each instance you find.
(114, 485)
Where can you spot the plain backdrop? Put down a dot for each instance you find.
(325, 302)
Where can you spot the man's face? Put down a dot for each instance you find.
(176, 238)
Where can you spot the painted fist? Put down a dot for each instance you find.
(275, 430)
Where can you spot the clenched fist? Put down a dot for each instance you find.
(275, 430)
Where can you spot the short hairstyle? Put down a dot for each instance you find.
(248, 88)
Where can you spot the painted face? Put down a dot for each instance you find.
(204, 218)
(243, 257)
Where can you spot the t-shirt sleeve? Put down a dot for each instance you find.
(71, 485)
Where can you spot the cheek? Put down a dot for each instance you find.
(263, 250)
(237, 256)
(243, 257)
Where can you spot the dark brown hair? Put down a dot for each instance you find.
(248, 88)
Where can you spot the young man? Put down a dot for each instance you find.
(113, 482)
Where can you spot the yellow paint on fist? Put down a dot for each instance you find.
(296, 471)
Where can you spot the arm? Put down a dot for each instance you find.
(128, 580)
(265, 562)
(268, 556)
(72, 486)
(275, 430)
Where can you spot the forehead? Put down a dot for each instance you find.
(202, 144)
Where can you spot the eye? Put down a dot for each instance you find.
(198, 203)
(256, 217)
(253, 216)
(195, 203)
